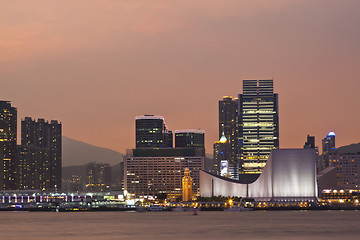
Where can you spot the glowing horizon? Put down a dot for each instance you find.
(95, 65)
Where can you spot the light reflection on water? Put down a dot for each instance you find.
(269, 225)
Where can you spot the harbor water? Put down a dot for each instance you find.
(269, 225)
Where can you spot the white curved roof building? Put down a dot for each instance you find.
(289, 175)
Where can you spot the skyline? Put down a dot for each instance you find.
(95, 66)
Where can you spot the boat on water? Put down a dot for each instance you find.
(140, 209)
(238, 209)
(155, 208)
(195, 211)
(178, 209)
(72, 206)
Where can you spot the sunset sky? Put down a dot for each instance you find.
(96, 64)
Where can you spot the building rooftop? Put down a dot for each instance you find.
(331, 135)
(189, 131)
(149, 117)
(227, 97)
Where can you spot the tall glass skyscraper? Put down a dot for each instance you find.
(151, 132)
(228, 111)
(258, 128)
(328, 143)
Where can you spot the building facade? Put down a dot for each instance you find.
(189, 139)
(98, 177)
(347, 169)
(221, 148)
(310, 143)
(289, 175)
(154, 167)
(149, 172)
(151, 132)
(258, 119)
(40, 155)
(32, 167)
(8, 143)
(328, 144)
(228, 127)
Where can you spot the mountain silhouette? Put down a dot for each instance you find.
(77, 153)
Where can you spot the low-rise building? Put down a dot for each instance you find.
(289, 175)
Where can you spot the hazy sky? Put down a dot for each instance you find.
(96, 64)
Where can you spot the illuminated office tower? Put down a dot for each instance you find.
(221, 149)
(258, 125)
(8, 138)
(151, 132)
(228, 111)
(189, 138)
(328, 143)
(152, 169)
(39, 156)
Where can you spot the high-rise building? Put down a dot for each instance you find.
(75, 184)
(221, 148)
(168, 139)
(151, 132)
(310, 143)
(98, 177)
(154, 168)
(258, 130)
(55, 147)
(8, 139)
(328, 144)
(31, 167)
(228, 127)
(189, 138)
(40, 155)
(150, 172)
